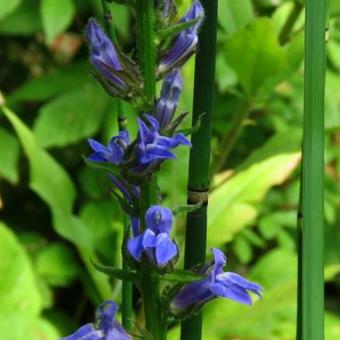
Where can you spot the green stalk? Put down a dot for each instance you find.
(231, 137)
(146, 47)
(150, 287)
(127, 303)
(294, 14)
(198, 186)
(312, 285)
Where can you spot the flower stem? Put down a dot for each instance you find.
(146, 47)
(198, 186)
(294, 14)
(147, 62)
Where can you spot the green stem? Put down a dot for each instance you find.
(230, 138)
(312, 282)
(198, 186)
(127, 287)
(147, 62)
(146, 47)
(284, 35)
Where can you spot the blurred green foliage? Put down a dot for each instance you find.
(56, 213)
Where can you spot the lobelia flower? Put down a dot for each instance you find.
(155, 241)
(105, 60)
(152, 148)
(218, 284)
(115, 150)
(106, 327)
(167, 103)
(185, 43)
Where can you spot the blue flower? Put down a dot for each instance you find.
(185, 43)
(167, 103)
(114, 152)
(152, 148)
(155, 241)
(105, 60)
(218, 284)
(106, 328)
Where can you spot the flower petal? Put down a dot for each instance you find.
(159, 219)
(86, 332)
(165, 249)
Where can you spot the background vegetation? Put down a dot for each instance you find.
(56, 214)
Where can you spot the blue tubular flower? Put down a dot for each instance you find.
(106, 328)
(152, 148)
(185, 43)
(113, 153)
(218, 284)
(167, 103)
(104, 58)
(155, 241)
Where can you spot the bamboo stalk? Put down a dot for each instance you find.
(196, 227)
(312, 256)
(127, 287)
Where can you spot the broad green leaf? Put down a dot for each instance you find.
(71, 116)
(18, 290)
(332, 101)
(19, 326)
(334, 8)
(7, 7)
(256, 56)
(52, 83)
(9, 155)
(56, 265)
(25, 20)
(233, 205)
(234, 15)
(56, 16)
(50, 181)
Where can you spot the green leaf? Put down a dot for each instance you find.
(120, 274)
(243, 249)
(233, 205)
(7, 7)
(177, 28)
(184, 209)
(9, 151)
(56, 265)
(179, 275)
(18, 290)
(50, 181)
(71, 116)
(52, 83)
(106, 166)
(232, 15)
(24, 21)
(56, 16)
(263, 59)
(18, 326)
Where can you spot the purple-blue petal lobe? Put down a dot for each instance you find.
(86, 332)
(159, 219)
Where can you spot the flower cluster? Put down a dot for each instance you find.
(119, 74)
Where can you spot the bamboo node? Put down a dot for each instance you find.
(198, 196)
